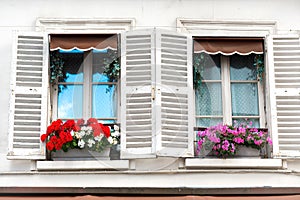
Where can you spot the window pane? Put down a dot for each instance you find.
(209, 99)
(242, 67)
(73, 67)
(100, 59)
(70, 102)
(255, 122)
(208, 65)
(206, 122)
(244, 98)
(104, 103)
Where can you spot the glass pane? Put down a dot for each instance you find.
(100, 60)
(255, 122)
(104, 101)
(208, 65)
(244, 99)
(206, 122)
(70, 102)
(242, 67)
(73, 67)
(106, 121)
(209, 99)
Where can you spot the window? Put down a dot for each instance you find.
(229, 90)
(226, 77)
(156, 112)
(85, 91)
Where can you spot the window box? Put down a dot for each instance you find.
(81, 154)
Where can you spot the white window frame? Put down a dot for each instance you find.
(87, 90)
(226, 95)
(230, 28)
(84, 26)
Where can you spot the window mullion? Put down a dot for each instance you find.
(87, 97)
(261, 104)
(226, 92)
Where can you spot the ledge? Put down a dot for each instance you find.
(83, 165)
(233, 163)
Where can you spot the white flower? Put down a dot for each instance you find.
(81, 144)
(115, 142)
(116, 128)
(72, 133)
(115, 134)
(81, 133)
(83, 128)
(77, 135)
(110, 140)
(90, 143)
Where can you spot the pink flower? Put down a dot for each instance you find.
(258, 142)
(232, 148)
(238, 140)
(269, 141)
(225, 145)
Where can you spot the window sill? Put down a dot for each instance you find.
(249, 163)
(83, 165)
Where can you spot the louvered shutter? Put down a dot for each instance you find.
(174, 95)
(284, 84)
(28, 103)
(137, 109)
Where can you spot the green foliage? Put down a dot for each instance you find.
(200, 61)
(112, 68)
(56, 68)
(260, 67)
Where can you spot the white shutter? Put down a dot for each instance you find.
(137, 77)
(28, 103)
(284, 81)
(174, 95)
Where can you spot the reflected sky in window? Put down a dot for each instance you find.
(70, 102)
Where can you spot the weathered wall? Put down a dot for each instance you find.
(22, 15)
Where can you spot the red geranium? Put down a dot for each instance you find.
(68, 135)
(106, 130)
(80, 122)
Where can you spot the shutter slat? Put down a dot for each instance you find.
(286, 55)
(29, 89)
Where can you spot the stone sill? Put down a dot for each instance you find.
(249, 163)
(83, 165)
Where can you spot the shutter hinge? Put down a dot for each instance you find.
(153, 93)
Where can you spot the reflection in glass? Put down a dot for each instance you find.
(242, 67)
(244, 99)
(70, 102)
(104, 101)
(209, 99)
(100, 59)
(212, 68)
(255, 122)
(206, 122)
(73, 67)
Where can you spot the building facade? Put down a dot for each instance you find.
(158, 102)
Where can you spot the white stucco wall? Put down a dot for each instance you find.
(22, 15)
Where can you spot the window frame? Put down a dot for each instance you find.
(87, 105)
(227, 117)
(83, 26)
(234, 28)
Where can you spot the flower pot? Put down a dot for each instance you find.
(115, 152)
(244, 151)
(81, 154)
